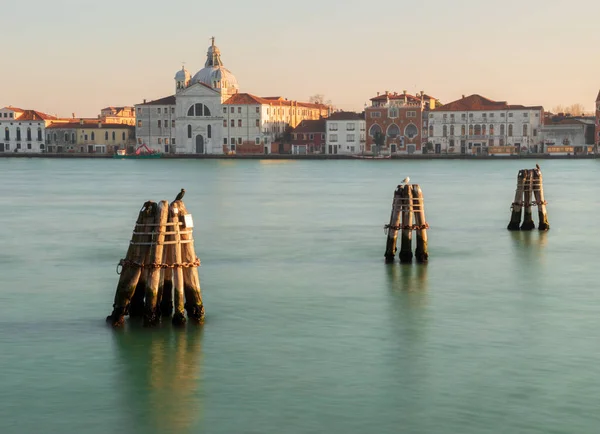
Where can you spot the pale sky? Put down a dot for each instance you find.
(78, 56)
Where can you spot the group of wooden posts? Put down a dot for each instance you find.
(529, 182)
(408, 204)
(159, 275)
(407, 207)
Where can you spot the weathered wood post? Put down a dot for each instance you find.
(394, 225)
(175, 260)
(538, 191)
(406, 254)
(132, 264)
(517, 205)
(154, 264)
(421, 252)
(528, 223)
(190, 264)
(166, 299)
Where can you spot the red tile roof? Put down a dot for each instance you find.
(310, 126)
(32, 115)
(247, 98)
(15, 109)
(395, 96)
(167, 100)
(479, 103)
(88, 124)
(345, 116)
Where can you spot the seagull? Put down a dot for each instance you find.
(180, 195)
(405, 180)
(537, 166)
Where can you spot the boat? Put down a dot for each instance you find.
(373, 157)
(141, 152)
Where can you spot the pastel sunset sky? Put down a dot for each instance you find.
(77, 56)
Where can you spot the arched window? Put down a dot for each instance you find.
(6, 134)
(72, 138)
(393, 131)
(198, 110)
(28, 134)
(452, 130)
(67, 137)
(524, 129)
(42, 147)
(189, 131)
(411, 131)
(478, 130)
(510, 130)
(123, 135)
(105, 135)
(470, 130)
(18, 133)
(445, 131)
(393, 112)
(463, 130)
(209, 131)
(491, 130)
(55, 138)
(39, 135)
(502, 129)
(483, 129)
(374, 130)
(431, 130)
(114, 135)
(93, 136)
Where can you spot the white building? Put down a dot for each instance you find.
(155, 124)
(23, 130)
(346, 133)
(474, 125)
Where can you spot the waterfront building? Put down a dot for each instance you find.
(597, 140)
(23, 130)
(478, 125)
(346, 133)
(400, 118)
(308, 137)
(118, 115)
(562, 134)
(208, 115)
(89, 136)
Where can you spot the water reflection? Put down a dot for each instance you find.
(161, 373)
(529, 245)
(410, 280)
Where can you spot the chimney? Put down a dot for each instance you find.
(463, 97)
(80, 121)
(387, 92)
(377, 93)
(99, 124)
(73, 114)
(144, 100)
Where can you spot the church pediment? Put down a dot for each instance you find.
(199, 89)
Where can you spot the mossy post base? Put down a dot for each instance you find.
(538, 191)
(166, 299)
(406, 254)
(421, 252)
(151, 313)
(393, 226)
(517, 205)
(528, 223)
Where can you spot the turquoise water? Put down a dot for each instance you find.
(307, 330)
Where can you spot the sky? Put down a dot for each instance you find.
(69, 57)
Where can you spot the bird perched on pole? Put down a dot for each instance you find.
(537, 166)
(180, 195)
(405, 180)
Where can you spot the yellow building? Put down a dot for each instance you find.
(118, 115)
(89, 136)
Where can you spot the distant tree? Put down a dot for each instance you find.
(573, 109)
(317, 98)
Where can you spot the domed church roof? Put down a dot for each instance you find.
(214, 74)
(183, 74)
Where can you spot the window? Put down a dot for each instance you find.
(411, 131)
(333, 138)
(525, 130)
(173, 141)
(431, 130)
(258, 123)
(452, 130)
(463, 116)
(375, 114)
(123, 136)
(158, 123)
(445, 116)
(106, 135)
(526, 115)
(463, 130)
(198, 110)
(239, 109)
(159, 141)
(470, 115)
(224, 123)
(484, 115)
(393, 112)
(224, 140)
(28, 145)
(158, 110)
(445, 131)
(239, 140)
(28, 134)
(189, 131)
(233, 140)
(510, 115)
(311, 137)
(232, 110)
(350, 126)
(470, 130)
(6, 134)
(139, 140)
(375, 129)
(209, 131)
(491, 130)
(139, 110)
(350, 138)
(502, 129)
(232, 123)
(510, 130)
(172, 124)
(477, 130)
(172, 110)
(113, 135)
(93, 136)
(18, 133)
(239, 123)
(67, 137)
(502, 115)
(483, 130)
(534, 132)
(333, 126)
(491, 115)
(411, 114)
(258, 140)
(257, 109)
(393, 131)
(139, 124)
(85, 137)
(72, 138)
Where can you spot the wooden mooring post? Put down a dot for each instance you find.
(529, 187)
(160, 267)
(408, 206)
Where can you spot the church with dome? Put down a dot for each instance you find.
(208, 114)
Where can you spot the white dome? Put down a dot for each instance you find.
(182, 75)
(216, 77)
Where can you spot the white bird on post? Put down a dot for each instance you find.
(405, 180)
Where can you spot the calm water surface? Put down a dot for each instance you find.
(307, 331)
